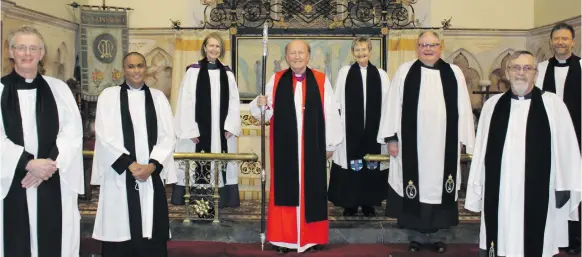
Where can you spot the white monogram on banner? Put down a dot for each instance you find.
(104, 42)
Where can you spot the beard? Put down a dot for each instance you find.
(520, 87)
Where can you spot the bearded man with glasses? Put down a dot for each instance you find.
(524, 163)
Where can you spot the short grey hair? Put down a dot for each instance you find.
(517, 54)
(26, 30)
(205, 42)
(431, 32)
(358, 40)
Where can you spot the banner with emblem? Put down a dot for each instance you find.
(104, 42)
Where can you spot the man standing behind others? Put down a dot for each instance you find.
(305, 129)
(561, 75)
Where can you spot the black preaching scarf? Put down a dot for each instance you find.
(203, 109)
(360, 135)
(537, 172)
(204, 106)
(49, 206)
(411, 194)
(285, 148)
(161, 224)
(571, 87)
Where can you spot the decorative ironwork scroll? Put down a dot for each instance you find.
(284, 14)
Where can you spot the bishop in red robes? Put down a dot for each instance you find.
(305, 129)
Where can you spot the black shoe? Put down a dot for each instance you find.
(315, 248)
(414, 246)
(281, 250)
(440, 247)
(573, 250)
(350, 211)
(369, 211)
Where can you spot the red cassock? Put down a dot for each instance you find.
(286, 225)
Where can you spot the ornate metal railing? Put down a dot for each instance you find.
(386, 158)
(206, 167)
(285, 14)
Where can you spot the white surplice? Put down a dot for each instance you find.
(69, 162)
(431, 129)
(565, 175)
(339, 156)
(187, 128)
(333, 134)
(560, 74)
(112, 219)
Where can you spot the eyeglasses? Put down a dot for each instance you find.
(429, 45)
(526, 68)
(31, 48)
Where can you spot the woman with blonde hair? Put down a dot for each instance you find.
(208, 119)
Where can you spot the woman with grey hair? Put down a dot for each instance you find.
(361, 89)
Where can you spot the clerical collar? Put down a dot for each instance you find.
(212, 66)
(135, 89)
(563, 63)
(130, 88)
(21, 83)
(525, 97)
(299, 77)
(434, 67)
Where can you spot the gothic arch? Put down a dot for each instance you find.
(473, 63)
(61, 62)
(159, 73)
(471, 71)
(499, 60)
(499, 82)
(540, 55)
(159, 52)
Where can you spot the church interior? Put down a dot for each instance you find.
(478, 36)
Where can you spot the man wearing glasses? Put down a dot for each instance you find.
(41, 162)
(525, 159)
(427, 118)
(561, 75)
